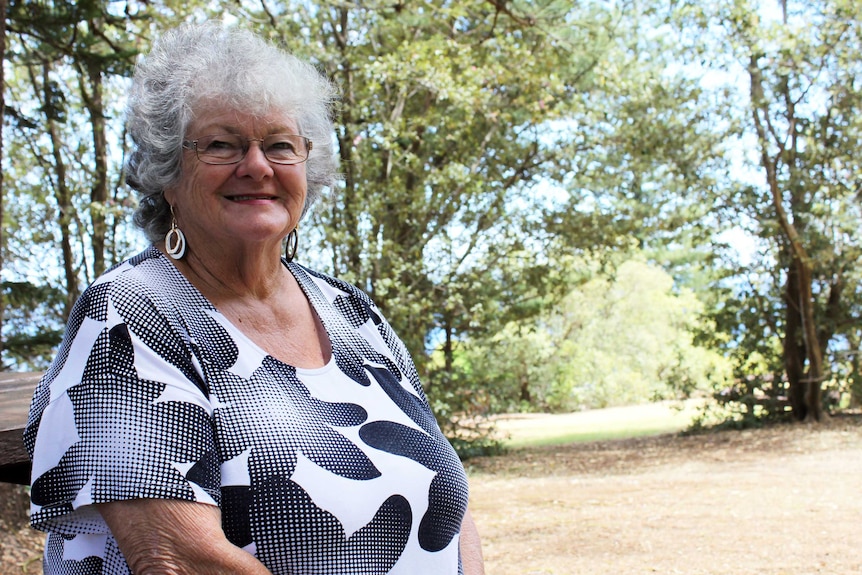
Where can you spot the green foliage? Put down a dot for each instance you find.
(66, 63)
(500, 162)
(800, 104)
(66, 210)
(34, 321)
(620, 338)
(445, 132)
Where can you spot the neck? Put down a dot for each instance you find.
(253, 272)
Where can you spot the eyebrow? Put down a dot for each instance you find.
(210, 129)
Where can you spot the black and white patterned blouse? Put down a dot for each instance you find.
(340, 470)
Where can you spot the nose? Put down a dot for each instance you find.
(254, 164)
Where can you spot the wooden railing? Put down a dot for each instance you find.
(16, 390)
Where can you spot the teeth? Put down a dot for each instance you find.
(243, 198)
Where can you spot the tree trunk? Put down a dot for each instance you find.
(805, 393)
(61, 191)
(99, 192)
(524, 394)
(347, 218)
(2, 117)
(814, 379)
(793, 349)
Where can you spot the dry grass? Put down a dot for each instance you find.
(782, 501)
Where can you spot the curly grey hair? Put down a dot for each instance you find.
(198, 62)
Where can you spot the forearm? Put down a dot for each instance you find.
(175, 538)
(471, 547)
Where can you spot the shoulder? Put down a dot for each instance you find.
(356, 307)
(149, 272)
(138, 297)
(144, 281)
(122, 273)
(94, 304)
(334, 283)
(346, 297)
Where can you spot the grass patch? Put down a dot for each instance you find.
(532, 430)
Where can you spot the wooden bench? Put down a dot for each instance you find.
(16, 391)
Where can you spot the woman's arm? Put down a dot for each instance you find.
(171, 537)
(471, 547)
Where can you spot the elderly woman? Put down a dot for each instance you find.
(216, 407)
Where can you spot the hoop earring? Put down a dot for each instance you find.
(291, 244)
(175, 240)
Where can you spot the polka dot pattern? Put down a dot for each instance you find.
(340, 470)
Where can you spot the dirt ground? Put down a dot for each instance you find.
(785, 500)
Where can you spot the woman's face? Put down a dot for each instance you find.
(253, 201)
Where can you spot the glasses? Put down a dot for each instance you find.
(230, 149)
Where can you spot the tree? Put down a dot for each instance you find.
(485, 147)
(623, 336)
(82, 43)
(443, 135)
(803, 102)
(66, 59)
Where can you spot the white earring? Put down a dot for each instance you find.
(175, 240)
(291, 244)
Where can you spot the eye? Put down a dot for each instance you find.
(220, 144)
(281, 145)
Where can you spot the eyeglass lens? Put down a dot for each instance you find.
(230, 148)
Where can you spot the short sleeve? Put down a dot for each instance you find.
(122, 413)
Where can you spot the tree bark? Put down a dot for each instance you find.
(99, 192)
(347, 217)
(2, 200)
(793, 350)
(62, 193)
(814, 379)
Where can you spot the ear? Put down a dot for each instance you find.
(170, 194)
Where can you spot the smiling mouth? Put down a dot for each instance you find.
(248, 198)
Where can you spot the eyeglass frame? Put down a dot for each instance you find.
(193, 145)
